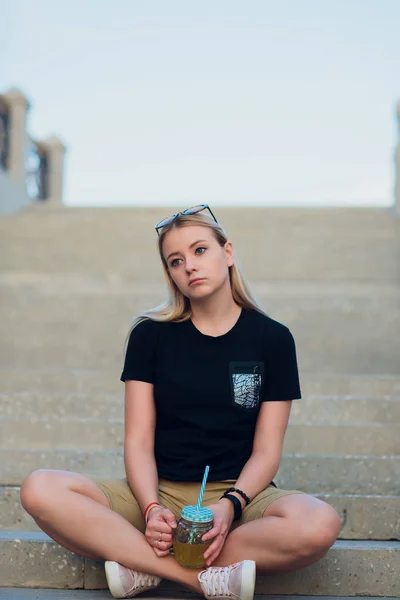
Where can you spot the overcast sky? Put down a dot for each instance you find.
(221, 101)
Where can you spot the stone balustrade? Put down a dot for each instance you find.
(30, 170)
(397, 167)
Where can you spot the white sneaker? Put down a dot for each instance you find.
(235, 581)
(127, 583)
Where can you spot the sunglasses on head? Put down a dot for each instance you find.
(188, 211)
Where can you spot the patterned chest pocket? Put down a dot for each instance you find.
(246, 383)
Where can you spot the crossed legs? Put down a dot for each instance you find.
(295, 531)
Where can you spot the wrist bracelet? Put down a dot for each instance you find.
(237, 507)
(241, 493)
(148, 508)
(149, 511)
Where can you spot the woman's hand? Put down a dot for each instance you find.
(223, 519)
(159, 530)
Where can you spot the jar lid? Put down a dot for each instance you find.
(197, 515)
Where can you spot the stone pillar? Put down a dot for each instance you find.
(18, 106)
(54, 150)
(397, 168)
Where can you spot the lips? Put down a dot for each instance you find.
(197, 279)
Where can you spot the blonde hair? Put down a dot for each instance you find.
(177, 307)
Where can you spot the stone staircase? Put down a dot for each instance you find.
(70, 282)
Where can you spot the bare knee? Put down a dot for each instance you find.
(46, 488)
(319, 532)
(38, 488)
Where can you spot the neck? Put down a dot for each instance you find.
(217, 311)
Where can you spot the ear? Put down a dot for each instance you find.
(229, 253)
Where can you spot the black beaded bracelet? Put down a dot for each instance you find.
(237, 507)
(241, 493)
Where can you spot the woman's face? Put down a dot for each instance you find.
(192, 252)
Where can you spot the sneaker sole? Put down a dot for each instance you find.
(113, 579)
(248, 580)
(114, 582)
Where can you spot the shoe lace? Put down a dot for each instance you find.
(144, 579)
(216, 580)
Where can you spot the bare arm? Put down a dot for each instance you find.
(263, 463)
(140, 422)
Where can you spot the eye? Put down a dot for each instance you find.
(173, 263)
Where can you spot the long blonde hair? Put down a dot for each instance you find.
(177, 307)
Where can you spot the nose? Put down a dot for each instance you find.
(190, 266)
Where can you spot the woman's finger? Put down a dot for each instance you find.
(161, 545)
(157, 536)
(213, 557)
(216, 530)
(160, 553)
(214, 550)
(159, 526)
(166, 537)
(154, 536)
(160, 538)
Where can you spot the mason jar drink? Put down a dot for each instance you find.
(188, 545)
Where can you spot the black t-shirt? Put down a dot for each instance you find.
(208, 390)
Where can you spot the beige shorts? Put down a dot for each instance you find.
(175, 495)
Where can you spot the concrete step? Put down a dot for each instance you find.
(81, 285)
(363, 517)
(42, 594)
(26, 304)
(33, 405)
(367, 353)
(345, 409)
(334, 333)
(100, 382)
(350, 568)
(94, 434)
(310, 473)
(372, 517)
(311, 243)
(373, 384)
(35, 594)
(62, 434)
(315, 408)
(376, 439)
(48, 298)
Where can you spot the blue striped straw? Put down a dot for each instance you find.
(203, 485)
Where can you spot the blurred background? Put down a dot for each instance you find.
(230, 102)
(284, 117)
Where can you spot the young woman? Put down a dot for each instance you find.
(209, 380)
